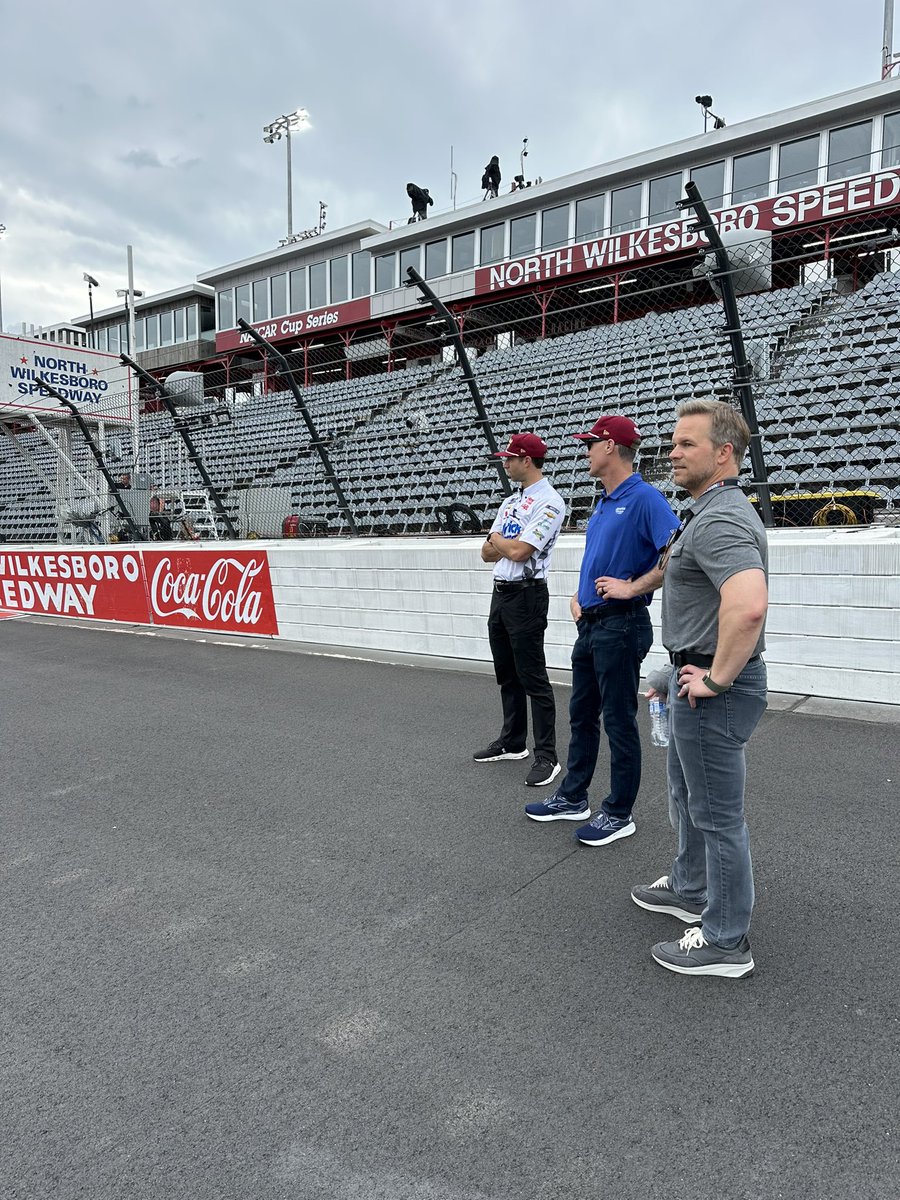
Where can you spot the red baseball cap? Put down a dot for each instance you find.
(522, 444)
(622, 430)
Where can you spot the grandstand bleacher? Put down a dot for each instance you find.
(405, 444)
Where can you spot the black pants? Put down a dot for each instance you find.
(516, 627)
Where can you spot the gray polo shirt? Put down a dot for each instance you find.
(724, 536)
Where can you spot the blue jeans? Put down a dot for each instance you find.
(606, 671)
(707, 770)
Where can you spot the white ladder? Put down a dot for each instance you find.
(198, 515)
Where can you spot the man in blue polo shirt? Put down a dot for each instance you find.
(626, 533)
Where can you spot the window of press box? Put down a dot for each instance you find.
(242, 303)
(112, 339)
(166, 328)
(205, 318)
(492, 249)
(152, 334)
(385, 265)
(261, 300)
(139, 335)
(554, 227)
(462, 251)
(626, 207)
(410, 257)
(318, 285)
(850, 150)
(298, 290)
(665, 192)
(590, 214)
(522, 235)
(226, 309)
(890, 142)
(279, 288)
(361, 268)
(798, 164)
(750, 176)
(179, 324)
(710, 181)
(338, 270)
(436, 259)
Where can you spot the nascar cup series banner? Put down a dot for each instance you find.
(99, 384)
(225, 591)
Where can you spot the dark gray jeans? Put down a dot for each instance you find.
(707, 771)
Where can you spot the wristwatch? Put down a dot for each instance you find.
(718, 688)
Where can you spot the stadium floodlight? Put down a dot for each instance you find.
(92, 283)
(283, 126)
(705, 103)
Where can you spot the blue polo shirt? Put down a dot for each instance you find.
(624, 537)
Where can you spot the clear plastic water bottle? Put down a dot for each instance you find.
(659, 722)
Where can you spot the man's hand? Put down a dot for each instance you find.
(575, 608)
(610, 588)
(489, 552)
(690, 684)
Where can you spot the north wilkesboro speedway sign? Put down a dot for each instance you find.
(97, 383)
(842, 198)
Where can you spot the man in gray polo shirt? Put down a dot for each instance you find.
(714, 601)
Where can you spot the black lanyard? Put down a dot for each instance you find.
(666, 554)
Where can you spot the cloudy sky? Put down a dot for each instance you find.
(142, 124)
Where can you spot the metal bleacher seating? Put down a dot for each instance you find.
(406, 444)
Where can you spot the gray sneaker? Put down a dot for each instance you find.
(694, 955)
(659, 897)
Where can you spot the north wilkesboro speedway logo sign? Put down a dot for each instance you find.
(841, 198)
(97, 383)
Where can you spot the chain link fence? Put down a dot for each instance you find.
(390, 404)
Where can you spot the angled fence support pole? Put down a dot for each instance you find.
(95, 450)
(284, 369)
(192, 451)
(742, 370)
(416, 280)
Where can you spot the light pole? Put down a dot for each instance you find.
(92, 283)
(282, 127)
(2, 231)
(130, 298)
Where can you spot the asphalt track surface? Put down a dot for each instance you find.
(267, 932)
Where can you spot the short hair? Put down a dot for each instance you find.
(537, 462)
(626, 453)
(726, 425)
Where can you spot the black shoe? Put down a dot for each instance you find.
(659, 897)
(544, 771)
(694, 955)
(497, 752)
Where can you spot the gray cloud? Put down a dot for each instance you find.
(141, 158)
(388, 95)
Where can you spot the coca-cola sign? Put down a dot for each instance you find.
(197, 589)
(219, 589)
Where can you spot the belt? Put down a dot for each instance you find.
(518, 584)
(693, 658)
(611, 608)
